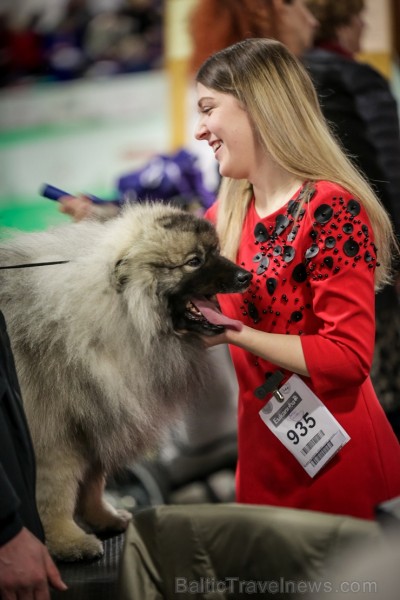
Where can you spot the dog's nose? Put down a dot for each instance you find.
(244, 277)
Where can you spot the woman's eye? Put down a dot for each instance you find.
(194, 262)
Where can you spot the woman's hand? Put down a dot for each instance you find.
(281, 350)
(81, 207)
(214, 340)
(77, 207)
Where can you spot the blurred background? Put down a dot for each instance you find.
(90, 90)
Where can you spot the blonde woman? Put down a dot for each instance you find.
(294, 211)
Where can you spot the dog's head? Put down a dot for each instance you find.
(179, 259)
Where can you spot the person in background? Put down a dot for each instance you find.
(216, 24)
(294, 211)
(26, 569)
(358, 102)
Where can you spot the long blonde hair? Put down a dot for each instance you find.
(280, 99)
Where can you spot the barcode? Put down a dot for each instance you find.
(315, 460)
(312, 442)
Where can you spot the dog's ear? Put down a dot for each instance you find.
(120, 275)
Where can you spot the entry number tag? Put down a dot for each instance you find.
(304, 425)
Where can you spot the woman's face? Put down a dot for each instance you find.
(225, 125)
(297, 25)
(349, 35)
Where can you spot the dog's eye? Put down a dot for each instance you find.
(194, 262)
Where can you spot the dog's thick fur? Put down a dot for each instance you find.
(105, 354)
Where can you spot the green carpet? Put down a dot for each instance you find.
(29, 215)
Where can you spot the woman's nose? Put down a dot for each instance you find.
(200, 131)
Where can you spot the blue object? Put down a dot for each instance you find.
(54, 193)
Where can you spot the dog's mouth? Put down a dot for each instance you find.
(204, 316)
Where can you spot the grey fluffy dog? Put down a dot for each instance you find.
(107, 349)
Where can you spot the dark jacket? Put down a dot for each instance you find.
(358, 103)
(17, 463)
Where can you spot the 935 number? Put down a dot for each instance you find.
(302, 426)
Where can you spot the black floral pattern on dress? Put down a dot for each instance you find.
(337, 238)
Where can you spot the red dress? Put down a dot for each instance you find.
(314, 279)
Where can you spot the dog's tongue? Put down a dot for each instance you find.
(212, 313)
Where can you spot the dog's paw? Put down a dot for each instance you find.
(122, 519)
(113, 523)
(72, 544)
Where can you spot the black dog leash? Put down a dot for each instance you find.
(42, 264)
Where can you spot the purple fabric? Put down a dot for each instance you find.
(166, 177)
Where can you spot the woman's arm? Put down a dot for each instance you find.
(284, 351)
